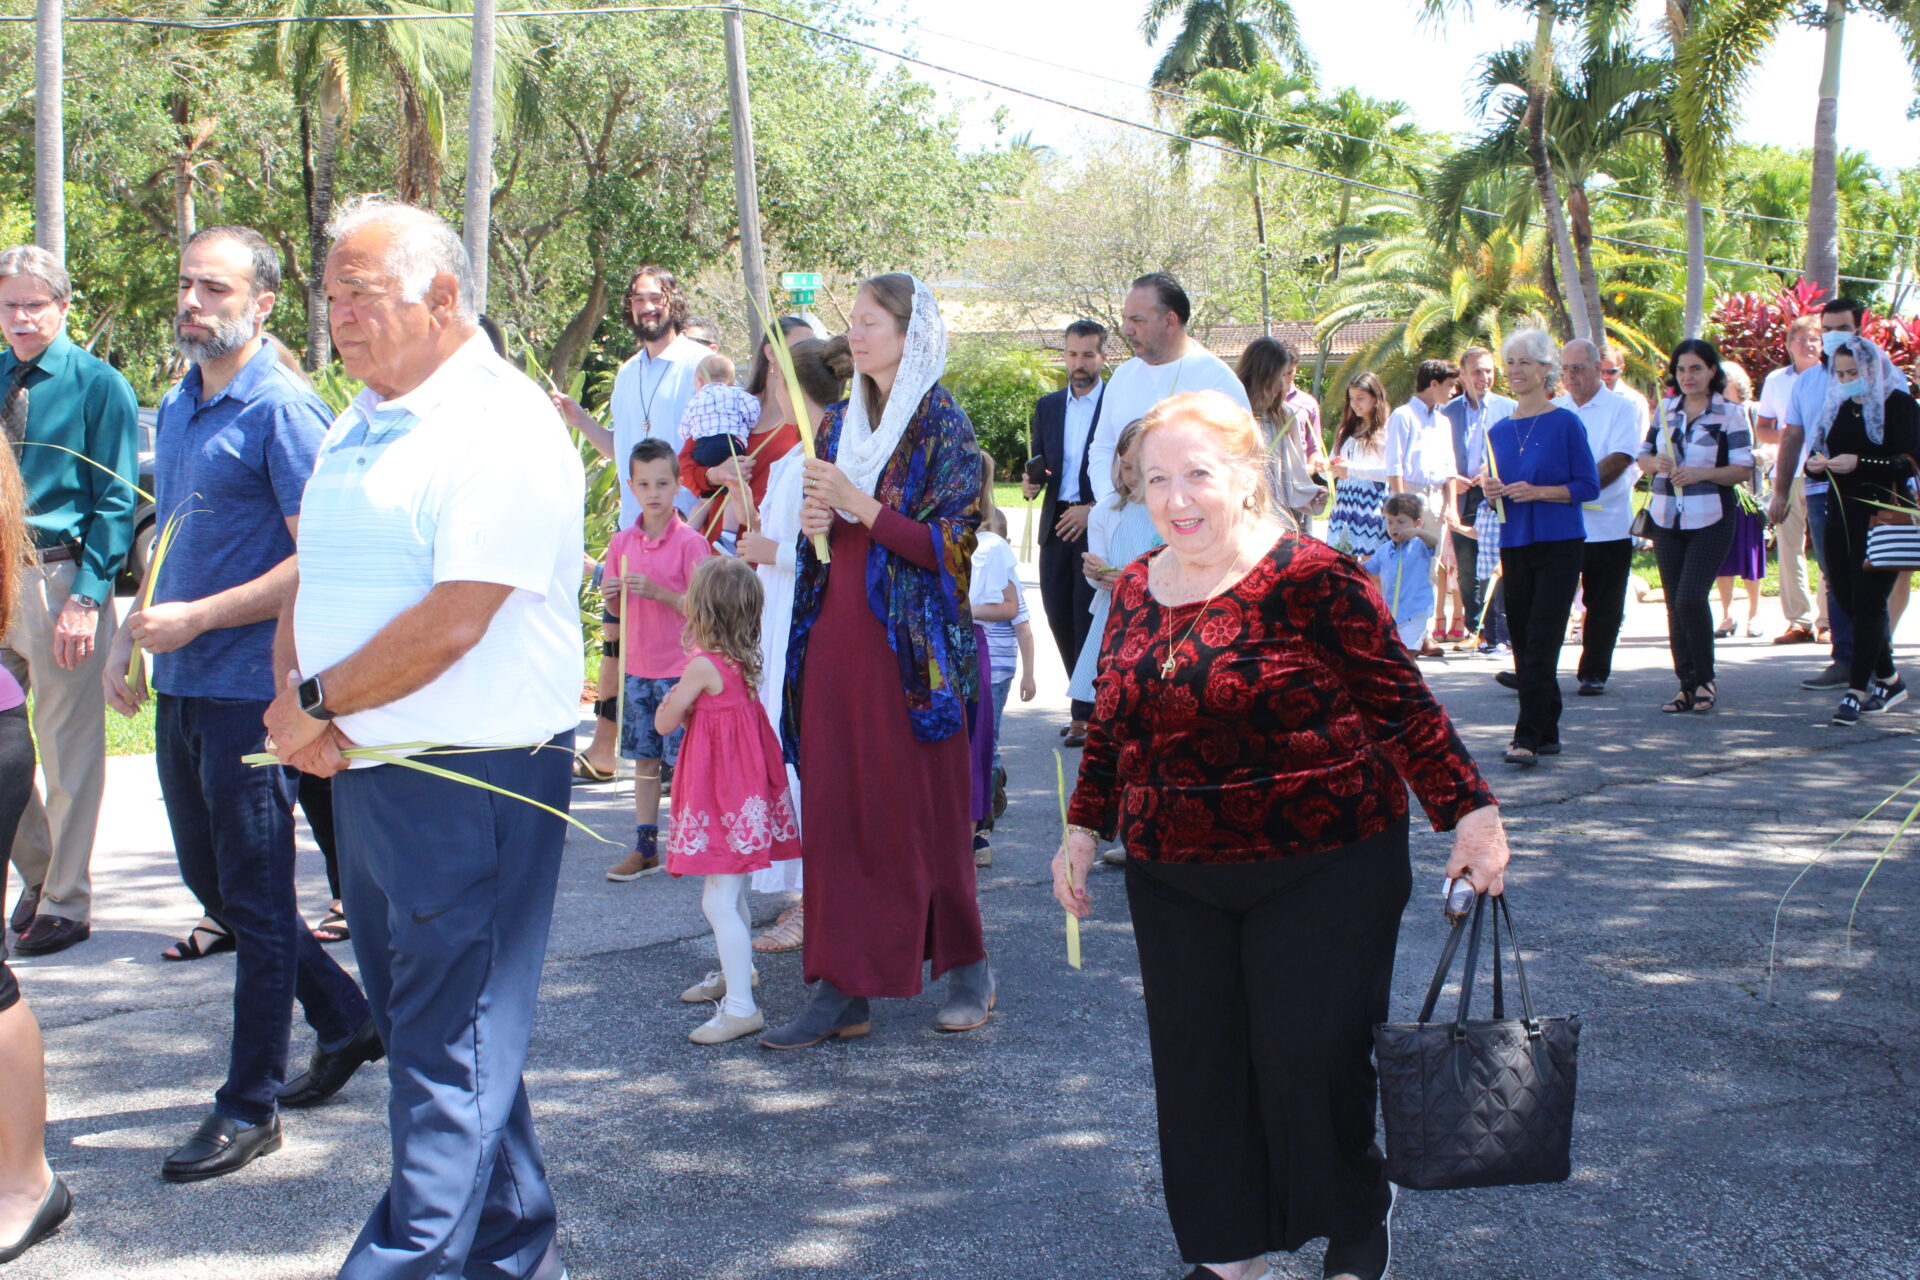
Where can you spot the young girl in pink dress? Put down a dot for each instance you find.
(732, 815)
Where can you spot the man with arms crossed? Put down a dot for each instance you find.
(437, 602)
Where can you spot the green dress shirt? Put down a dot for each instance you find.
(80, 402)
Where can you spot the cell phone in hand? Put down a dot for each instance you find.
(1036, 471)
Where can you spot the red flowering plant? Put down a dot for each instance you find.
(1753, 328)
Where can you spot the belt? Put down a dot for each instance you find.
(60, 554)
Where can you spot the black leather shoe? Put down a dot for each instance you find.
(48, 934)
(328, 1073)
(1592, 688)
(220, 1145)
(1506, 679)
(53, 1210)
(25, 908)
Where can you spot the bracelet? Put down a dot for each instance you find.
(1073, 829)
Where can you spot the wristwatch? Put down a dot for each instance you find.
(313, 700)
(85, 602)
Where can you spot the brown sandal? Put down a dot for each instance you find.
(786, 933)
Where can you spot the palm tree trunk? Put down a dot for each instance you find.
(1260, 233)
(49, 133)
(323, 154)
(479, 206)
(1696, 312)
(1823, 213)
(1580, 215)
(1541, 77)
(1346, 211)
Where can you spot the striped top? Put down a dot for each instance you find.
(1696, 444)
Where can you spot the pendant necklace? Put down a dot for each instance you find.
(1173, 646)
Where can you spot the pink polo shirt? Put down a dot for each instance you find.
(650, 640)
(10, 694)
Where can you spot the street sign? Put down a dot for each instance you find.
(801, 285)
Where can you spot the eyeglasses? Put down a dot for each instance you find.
(646, 297)
(31, 307)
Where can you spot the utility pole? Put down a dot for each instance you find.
(49, 134)
(746, 186)
(479, 208)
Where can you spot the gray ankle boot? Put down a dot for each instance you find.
(831, 1013)
(970, 998)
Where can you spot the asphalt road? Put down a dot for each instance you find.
(1718, 1134)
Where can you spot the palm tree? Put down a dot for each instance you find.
(479, 195)
(1235, 35)
(1449, 297)
(1355, 139)
(1613, 96)
(1725, 45)
(1239, 111)
(49, 132)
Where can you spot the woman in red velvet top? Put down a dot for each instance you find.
(1255, 729)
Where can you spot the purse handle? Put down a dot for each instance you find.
(1473, 954)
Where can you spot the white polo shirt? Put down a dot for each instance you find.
(469, 477)
(650, 395)
(1420, 445)
(1613, 426)
(1137, 386)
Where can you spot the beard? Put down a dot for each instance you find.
(652, 330)
(227, 335)
(1081, 380)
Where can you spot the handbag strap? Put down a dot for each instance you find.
(1500, 914)
(1519, 970)
(1447, 953)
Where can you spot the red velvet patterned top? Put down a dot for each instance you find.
(1286, 728)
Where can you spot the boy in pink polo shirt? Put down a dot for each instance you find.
(660, 552)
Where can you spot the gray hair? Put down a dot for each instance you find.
(32, 260)
(424, 245)
(1535, 345)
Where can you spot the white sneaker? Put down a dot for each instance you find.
(724, 1026)
(712, 987)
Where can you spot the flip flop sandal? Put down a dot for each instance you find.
(1522, 756)
(192, 948)
(333, 928)
(585, 771)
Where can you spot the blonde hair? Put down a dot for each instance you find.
(1129, 440)
(724, 600)
(716, 368)
(16, 546)
(1233, 430)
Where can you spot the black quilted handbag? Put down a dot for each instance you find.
(1485, 1103)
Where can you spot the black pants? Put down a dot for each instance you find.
(1067, 597)
(1540, 579)
(1861, 593)
(1689, 561)
(1263, 982)
(16, 784)
(316, 801)
(1605, 568)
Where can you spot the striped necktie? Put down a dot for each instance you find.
(13, 410)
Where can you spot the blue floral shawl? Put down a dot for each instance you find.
(934, 478)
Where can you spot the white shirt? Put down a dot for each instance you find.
(650, 395)
(1612, 427)
(1420, 445)
(1642, 410)
(994, 566)
(1137, 386)
(1776, 397)
(469, 477)
(1079, 420)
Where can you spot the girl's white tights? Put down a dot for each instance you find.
(724, 901)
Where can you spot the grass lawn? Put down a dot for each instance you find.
(124, 737)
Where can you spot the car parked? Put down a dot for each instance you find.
(144, 516)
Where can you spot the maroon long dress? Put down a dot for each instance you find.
(887, 840)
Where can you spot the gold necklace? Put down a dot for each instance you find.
(1173, 646)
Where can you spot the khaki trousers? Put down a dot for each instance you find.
(1797, 605)
(55, 842)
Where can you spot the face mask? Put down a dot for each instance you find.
(1833, 340)
(1857, 389)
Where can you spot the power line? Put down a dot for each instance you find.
(284, 20)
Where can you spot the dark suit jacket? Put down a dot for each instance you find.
(1049, 442)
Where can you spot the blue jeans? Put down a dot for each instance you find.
(1000, 690)
(233, 836)
(1836, 611)
(449, 892)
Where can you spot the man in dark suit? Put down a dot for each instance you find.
(1062, 432)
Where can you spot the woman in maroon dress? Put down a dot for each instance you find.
(880, 668)
(1255, 718)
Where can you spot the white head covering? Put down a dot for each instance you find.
(1882, 379)
(865, 448)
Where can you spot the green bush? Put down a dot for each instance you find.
(996, 384)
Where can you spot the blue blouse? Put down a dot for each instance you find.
(1545, 449)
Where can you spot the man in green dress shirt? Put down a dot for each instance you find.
(53, 393)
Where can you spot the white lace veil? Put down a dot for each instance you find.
(1882, 378)
(864, 447)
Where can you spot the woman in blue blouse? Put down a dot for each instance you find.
(1541, 471)
(1697, 449)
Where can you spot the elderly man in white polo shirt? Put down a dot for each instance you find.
(1614, 433)
(439, 571)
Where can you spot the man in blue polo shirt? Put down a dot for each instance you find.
(232, 454)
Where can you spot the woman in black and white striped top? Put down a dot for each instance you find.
(1697, 449)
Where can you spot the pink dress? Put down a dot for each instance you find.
(731, 810)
